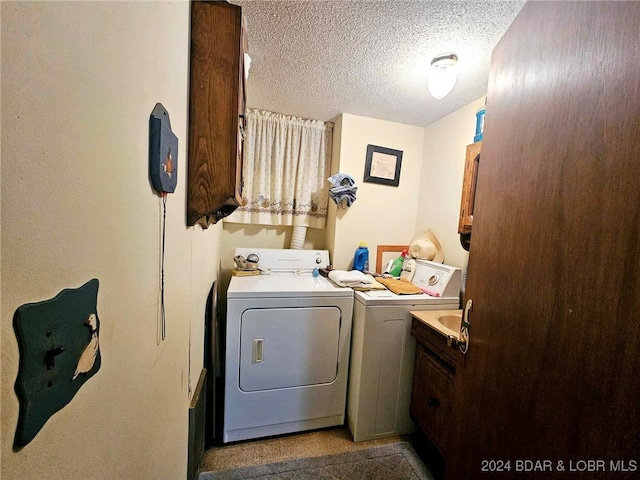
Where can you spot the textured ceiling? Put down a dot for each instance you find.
(317, 59)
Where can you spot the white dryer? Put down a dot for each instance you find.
(383, 351)
(288, 337)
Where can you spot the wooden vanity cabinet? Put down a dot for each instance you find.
(216, 112)
(433, 379)
(471, 164)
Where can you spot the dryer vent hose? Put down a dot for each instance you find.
(298, 236)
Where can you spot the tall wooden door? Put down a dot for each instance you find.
(552, 374)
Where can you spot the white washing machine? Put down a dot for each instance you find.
(288, 337)
(383, 351)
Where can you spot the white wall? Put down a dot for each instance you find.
(381, 214)
(440, 190)
(79, 81)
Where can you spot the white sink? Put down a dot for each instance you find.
(445, 322)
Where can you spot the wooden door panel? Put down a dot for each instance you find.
(553, 362)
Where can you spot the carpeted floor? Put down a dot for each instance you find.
(394, 461)
(315, 443)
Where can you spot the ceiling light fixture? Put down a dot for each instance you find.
(442, 75)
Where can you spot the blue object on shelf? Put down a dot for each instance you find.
(479, 124)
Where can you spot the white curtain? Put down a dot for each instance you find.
(286, 165)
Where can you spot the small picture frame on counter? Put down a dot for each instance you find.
(382, 166)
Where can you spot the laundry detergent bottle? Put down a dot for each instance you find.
(396, 266)
(361, 258)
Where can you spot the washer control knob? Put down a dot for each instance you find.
(318, 260)
(433, 279)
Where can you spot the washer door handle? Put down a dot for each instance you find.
(258, 349)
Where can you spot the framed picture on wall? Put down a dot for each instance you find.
(382, 165)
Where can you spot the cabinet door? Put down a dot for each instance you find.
(472, 162)
(242, 104)
(215, 98)
(432, 396)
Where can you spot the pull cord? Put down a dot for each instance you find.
(164, 223)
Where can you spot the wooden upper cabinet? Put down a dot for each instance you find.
(465, 223)
(216, 112)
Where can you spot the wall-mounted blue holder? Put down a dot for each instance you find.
(163, 151)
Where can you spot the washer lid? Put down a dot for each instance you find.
(288, 285)
(387, 298)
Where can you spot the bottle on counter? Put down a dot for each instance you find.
(396, 266)
(408, 269)
(361, 258)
